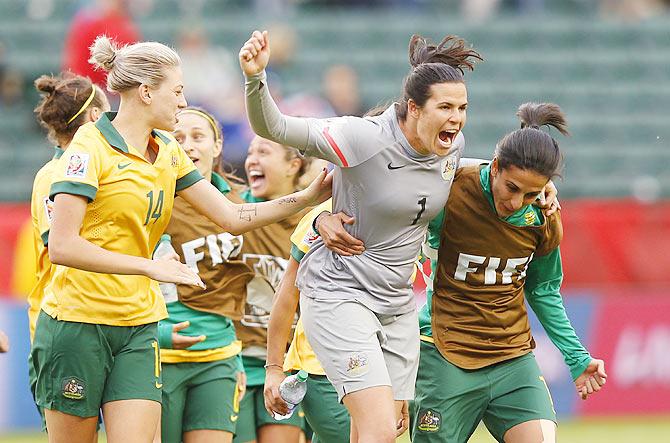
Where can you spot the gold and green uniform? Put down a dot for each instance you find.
(41, 208)
(200, 383)
(475, 327)
(112, 316)
(324, 413)
(265, 252)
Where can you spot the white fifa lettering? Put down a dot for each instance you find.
(231, 245)
(190, 256)
(490, 273)
(464, 268)
(511, 267)
(214, 250)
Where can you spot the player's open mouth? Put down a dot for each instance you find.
(447, 137)
(256, 179)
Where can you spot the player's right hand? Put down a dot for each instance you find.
(335, 237)
(170, 270)
(273, 401)
(255, 53)
(592, 379)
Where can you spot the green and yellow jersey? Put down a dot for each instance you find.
(41, 208)
(215, 256)
(485, 266)
(300, 354)
(130, 204)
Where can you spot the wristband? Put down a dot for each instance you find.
(269, 365)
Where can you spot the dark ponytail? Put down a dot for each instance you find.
(431, 64)
(530, 147)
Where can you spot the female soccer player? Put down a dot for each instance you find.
(96, 340)
(323, 412)
(273, 170)
(393, 174)
(202, 372)
(68, 102)
(476, 354)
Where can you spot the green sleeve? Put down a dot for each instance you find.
(296, 253)
(542, 289)
(430, 248)
(164, 335)
(240, 363)
(434, 230)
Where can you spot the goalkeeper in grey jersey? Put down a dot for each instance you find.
(393, 174)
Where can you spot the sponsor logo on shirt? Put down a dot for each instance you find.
(310, 237)
(77, 165)
(429, 421)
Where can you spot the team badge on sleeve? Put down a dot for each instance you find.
(310, 237)
(77, 165)
(48, 209)
(448, 168)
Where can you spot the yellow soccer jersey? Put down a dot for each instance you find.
(130, 203)
(300, 354)
(40, 209)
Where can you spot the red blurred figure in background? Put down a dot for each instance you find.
(109, 17)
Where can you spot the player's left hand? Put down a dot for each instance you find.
(403, 421)
(241, 385)
(4, 342)
(184, 341)
(548, 199)
(592, 379)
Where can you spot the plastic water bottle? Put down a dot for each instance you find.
(292, 390)
(164, 248)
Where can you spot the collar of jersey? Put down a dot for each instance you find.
(400, 136)
(516, 219)
(220, 183)
(58, 152)
(104, 125)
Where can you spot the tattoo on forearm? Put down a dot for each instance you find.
(247, 212)
(285, 200)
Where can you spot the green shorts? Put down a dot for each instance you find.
(327, 417)
(450, 401)
(81, 366)
(199, 396)
(253, 416)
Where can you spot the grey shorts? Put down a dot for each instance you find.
(360, 349)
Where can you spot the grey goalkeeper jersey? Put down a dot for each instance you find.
(392, 190)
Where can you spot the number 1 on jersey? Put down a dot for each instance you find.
(421, 202)
(157, 210)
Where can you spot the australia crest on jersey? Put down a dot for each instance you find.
(448, 168)
(429, 421)
(73, 388)
(77, 165)
(357, 364)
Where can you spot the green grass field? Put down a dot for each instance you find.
(605, 430)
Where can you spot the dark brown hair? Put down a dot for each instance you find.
(431, 64)
(63, 96)
(530, 147)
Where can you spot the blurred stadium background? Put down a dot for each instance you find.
(605, 62)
